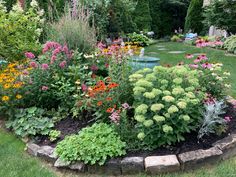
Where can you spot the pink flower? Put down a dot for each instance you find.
(65, 49)
(228, 119)
(189, 56)
(33, 64)
(106, 65)
(203, 57)
(44, 66)
(44, 88)
(115, 117)
(197, 60)
(195, 66)
(56, 51)
(207, 65)
(50, 45)
(29, 55)
(101, 46)
(62, 64)
(126, 106)
(84, 87)
(53, 59)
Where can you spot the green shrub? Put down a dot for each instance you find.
(30, 122)
(166, 105)
(92, 145)
(139, 39)
(175, 38)
(20, 31)
(74, 30)
(230, 44)
(194, 17)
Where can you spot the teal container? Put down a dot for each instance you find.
(138, 63)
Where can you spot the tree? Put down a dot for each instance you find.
(142, 16)
(194, 16)
(221, 13)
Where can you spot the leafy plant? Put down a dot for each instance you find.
(175, 38)
(54, 135)
(166, 105)
(20, 31)
(92, 145)
(30, 122)
(230, 44)
(211, 118)
(139, 39)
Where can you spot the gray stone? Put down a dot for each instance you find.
(193, 159)
(78, 166)
(161, 164)
(111, 167)
(32, 149)
(61, 163)
(227, 145)
(176, 52)
(132, 165)
(47, 153)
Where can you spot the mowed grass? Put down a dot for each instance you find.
(214, 55)
(14, 162)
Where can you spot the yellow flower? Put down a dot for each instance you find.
(18, 96)
(6, 86)
(5, 98)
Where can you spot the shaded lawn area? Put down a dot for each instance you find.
(213, 54)
(14, 162)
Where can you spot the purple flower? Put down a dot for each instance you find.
(44, 66)
(94, 68)
(115, 117)
(228, 119)
(84, 87)
(44, 88)
(29, 55)
(25, 72)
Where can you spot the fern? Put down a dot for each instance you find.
(230, 44)
(211, 118)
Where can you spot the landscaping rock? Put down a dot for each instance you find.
(132, 165)
(78, 166)
(61, 163)
(161, 164)
(193, 159)
(227, 145)
(47, 153)
(32, 149)
(112, 167)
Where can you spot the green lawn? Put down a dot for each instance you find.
(213, 54)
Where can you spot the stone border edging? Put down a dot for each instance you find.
(154, 165)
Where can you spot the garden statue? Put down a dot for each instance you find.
(141, 53)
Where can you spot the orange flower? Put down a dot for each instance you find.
(113, 85)
(99, 103)
(109, 110)
(108, 98)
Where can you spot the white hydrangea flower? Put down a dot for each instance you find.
(34, 3)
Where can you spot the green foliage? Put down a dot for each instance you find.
(194, 17)
(230, 44)
(74, 29)
(142, 15)
(166, 106)
(30, 122)
(139, 39)
(92, 145)
(19, 31)
(175, 38)
(221, 13)
(54, 135)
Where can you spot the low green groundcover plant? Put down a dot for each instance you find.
(92, 145)
(166, 105)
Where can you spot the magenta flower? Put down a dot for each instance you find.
(50, 45)
(84, 87)
(65, 49)
(44, 66)
(29, 55)
(203, 57)
(189, 56)
(228, 119)
(44, 88)
(62, 64)
(106, 65)
(207, 65)
(197, 60)
(53, 59)
(25, 72)
(101, 46)
(33, 64)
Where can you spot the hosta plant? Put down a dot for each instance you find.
(167, 103)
